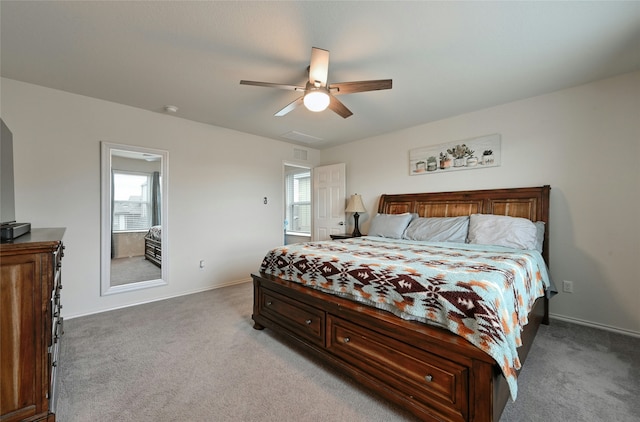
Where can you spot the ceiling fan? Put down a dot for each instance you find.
(318, 94)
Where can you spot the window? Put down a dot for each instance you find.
(131, 201)
(298, 194)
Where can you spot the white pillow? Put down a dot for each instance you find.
(539, 235)
(438, 229)
(389, 225)
(502, 230)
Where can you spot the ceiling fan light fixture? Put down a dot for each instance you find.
(316, 100)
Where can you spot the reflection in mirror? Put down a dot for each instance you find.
(134, 229)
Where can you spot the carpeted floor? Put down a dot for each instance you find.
(578, 373)
(133, 269)
(197, 358)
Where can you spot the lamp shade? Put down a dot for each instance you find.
(355, 204)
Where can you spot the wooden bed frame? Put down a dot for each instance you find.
(153, 251)
(431, 372)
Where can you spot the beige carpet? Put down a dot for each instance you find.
(133, 269)
(197, 358)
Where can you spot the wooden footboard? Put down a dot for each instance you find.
(429, 371)
(153, 251)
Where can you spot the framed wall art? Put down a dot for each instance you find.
(468, 154)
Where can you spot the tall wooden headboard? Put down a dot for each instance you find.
(531, 203)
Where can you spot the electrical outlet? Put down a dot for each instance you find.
(567, 286)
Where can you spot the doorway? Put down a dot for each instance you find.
(297, 207)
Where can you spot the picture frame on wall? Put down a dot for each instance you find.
(469, 154)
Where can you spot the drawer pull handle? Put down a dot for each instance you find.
(347, 339)
(269, 303)
(308, 322)
(428, 378)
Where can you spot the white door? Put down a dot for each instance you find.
(329, 201)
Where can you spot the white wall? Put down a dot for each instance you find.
(217, 181)
(585, 143)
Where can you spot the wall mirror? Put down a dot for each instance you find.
(134, 223)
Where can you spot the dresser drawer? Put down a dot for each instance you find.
(58, 329)
(297, 317)
(418, 374)
(54, 322)
(56, 265)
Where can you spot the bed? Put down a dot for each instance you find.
(153, 245)
(418, 363)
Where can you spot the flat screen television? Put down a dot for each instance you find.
(7, 193)
(9, 229)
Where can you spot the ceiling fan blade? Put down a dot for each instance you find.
(337, 106)
(273, 85)
(292, 105)
(360, 86)
(319, 66)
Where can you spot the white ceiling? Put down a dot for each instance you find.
(445, 58)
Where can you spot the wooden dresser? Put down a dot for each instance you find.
(30, 325)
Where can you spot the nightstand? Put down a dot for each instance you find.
(341, 236)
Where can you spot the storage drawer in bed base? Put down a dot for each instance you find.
(427, 371)
(303, 320)
(427, 378)
(436, 375)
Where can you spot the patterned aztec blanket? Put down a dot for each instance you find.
(482, 293)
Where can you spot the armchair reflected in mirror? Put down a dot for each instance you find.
(134, 224)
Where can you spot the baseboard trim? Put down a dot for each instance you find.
(595, 325)
(190, 292)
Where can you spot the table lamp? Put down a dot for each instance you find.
(355, 206)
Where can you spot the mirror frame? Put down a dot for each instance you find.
(106, 288)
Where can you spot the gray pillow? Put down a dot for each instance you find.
(502, 230)
(438, 229)
(389, 225)
(539, 235)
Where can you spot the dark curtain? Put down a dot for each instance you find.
(113, 248)
(156, 199)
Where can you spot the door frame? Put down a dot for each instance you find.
(283, 213)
